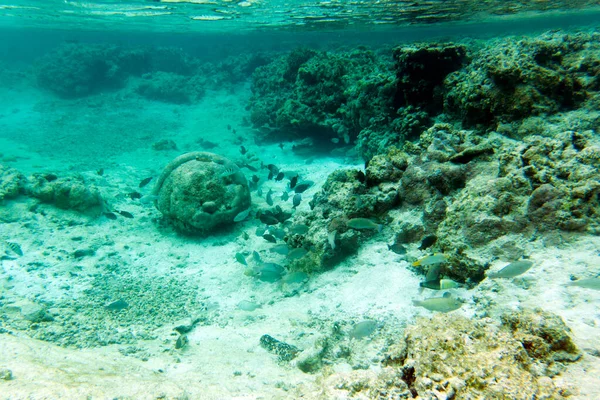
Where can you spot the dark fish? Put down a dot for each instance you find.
(279, 176)
(397, 248)
(126, 214)
(243, 150)
(268, 219)
(15, 248)
(269, 197)
(100, 171)
(228, 127)
(297, 200)
(255, 179)
(269, 238)
(135, 195)
(427, 242)
(181, 342)
(281, 146)
(302, 186)
(110, 215)
(259, 192)
(144, 182)
(293, 181)
(285, 196)
(273, 168)
(270, 176)
(117, 305)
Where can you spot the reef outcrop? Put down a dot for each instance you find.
(198, 192)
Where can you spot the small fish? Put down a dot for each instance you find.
(181, 342)
(256, 257)
(100, 171)
(269, 197)
(255, 179)
(297, 253)
(285, 196)
(118, 305)
(511, 270)
(293, 181)
(229, 170)
(270, 176)
(437, 258)
(228, 127)
(303, 186)
(269, 238)
(296, 200)
(363, 223)
(259, 192)
(126, 214)
(295, 277)
(135, 195)
(397, 248)
(267, 272)
(239, 257)
(15, 248)
(149, 199)
(299, 229)
(282, 249)
(268, 219)
(110, 215)
(145, 181)
(242, 215)
(246, 305)
(277, 232)
(251, 167)
(363, 329)
(440, 284)
(273, 168)
(433, 272)
(444, 304)
(427, 242)
(589, 283)
(243, 150)
(331, 239)
(279, 176)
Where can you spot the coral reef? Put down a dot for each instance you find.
(169, 87)
(454, 357)
(198, 192)
(69, 193)
(12, 182)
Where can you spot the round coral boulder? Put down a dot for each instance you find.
(199, 192)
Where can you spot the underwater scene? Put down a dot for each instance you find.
(225, 199)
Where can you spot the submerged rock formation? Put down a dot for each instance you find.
(200, 191)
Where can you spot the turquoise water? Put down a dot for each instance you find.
(280, 200)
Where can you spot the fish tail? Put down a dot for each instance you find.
(416, 263)
(379, 228)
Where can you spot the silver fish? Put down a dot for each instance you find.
(443, 304)
(589, 283)
(241, 216)
(511, 270)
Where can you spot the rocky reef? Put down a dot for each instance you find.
(164, 74)
(199, 191)
(454, 357)
(500, 139)
(69, 192)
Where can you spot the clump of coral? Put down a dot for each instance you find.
(12, 183)
(453, 357)
(69, 193)
(199, 191)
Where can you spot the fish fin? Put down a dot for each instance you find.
(416, 263)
